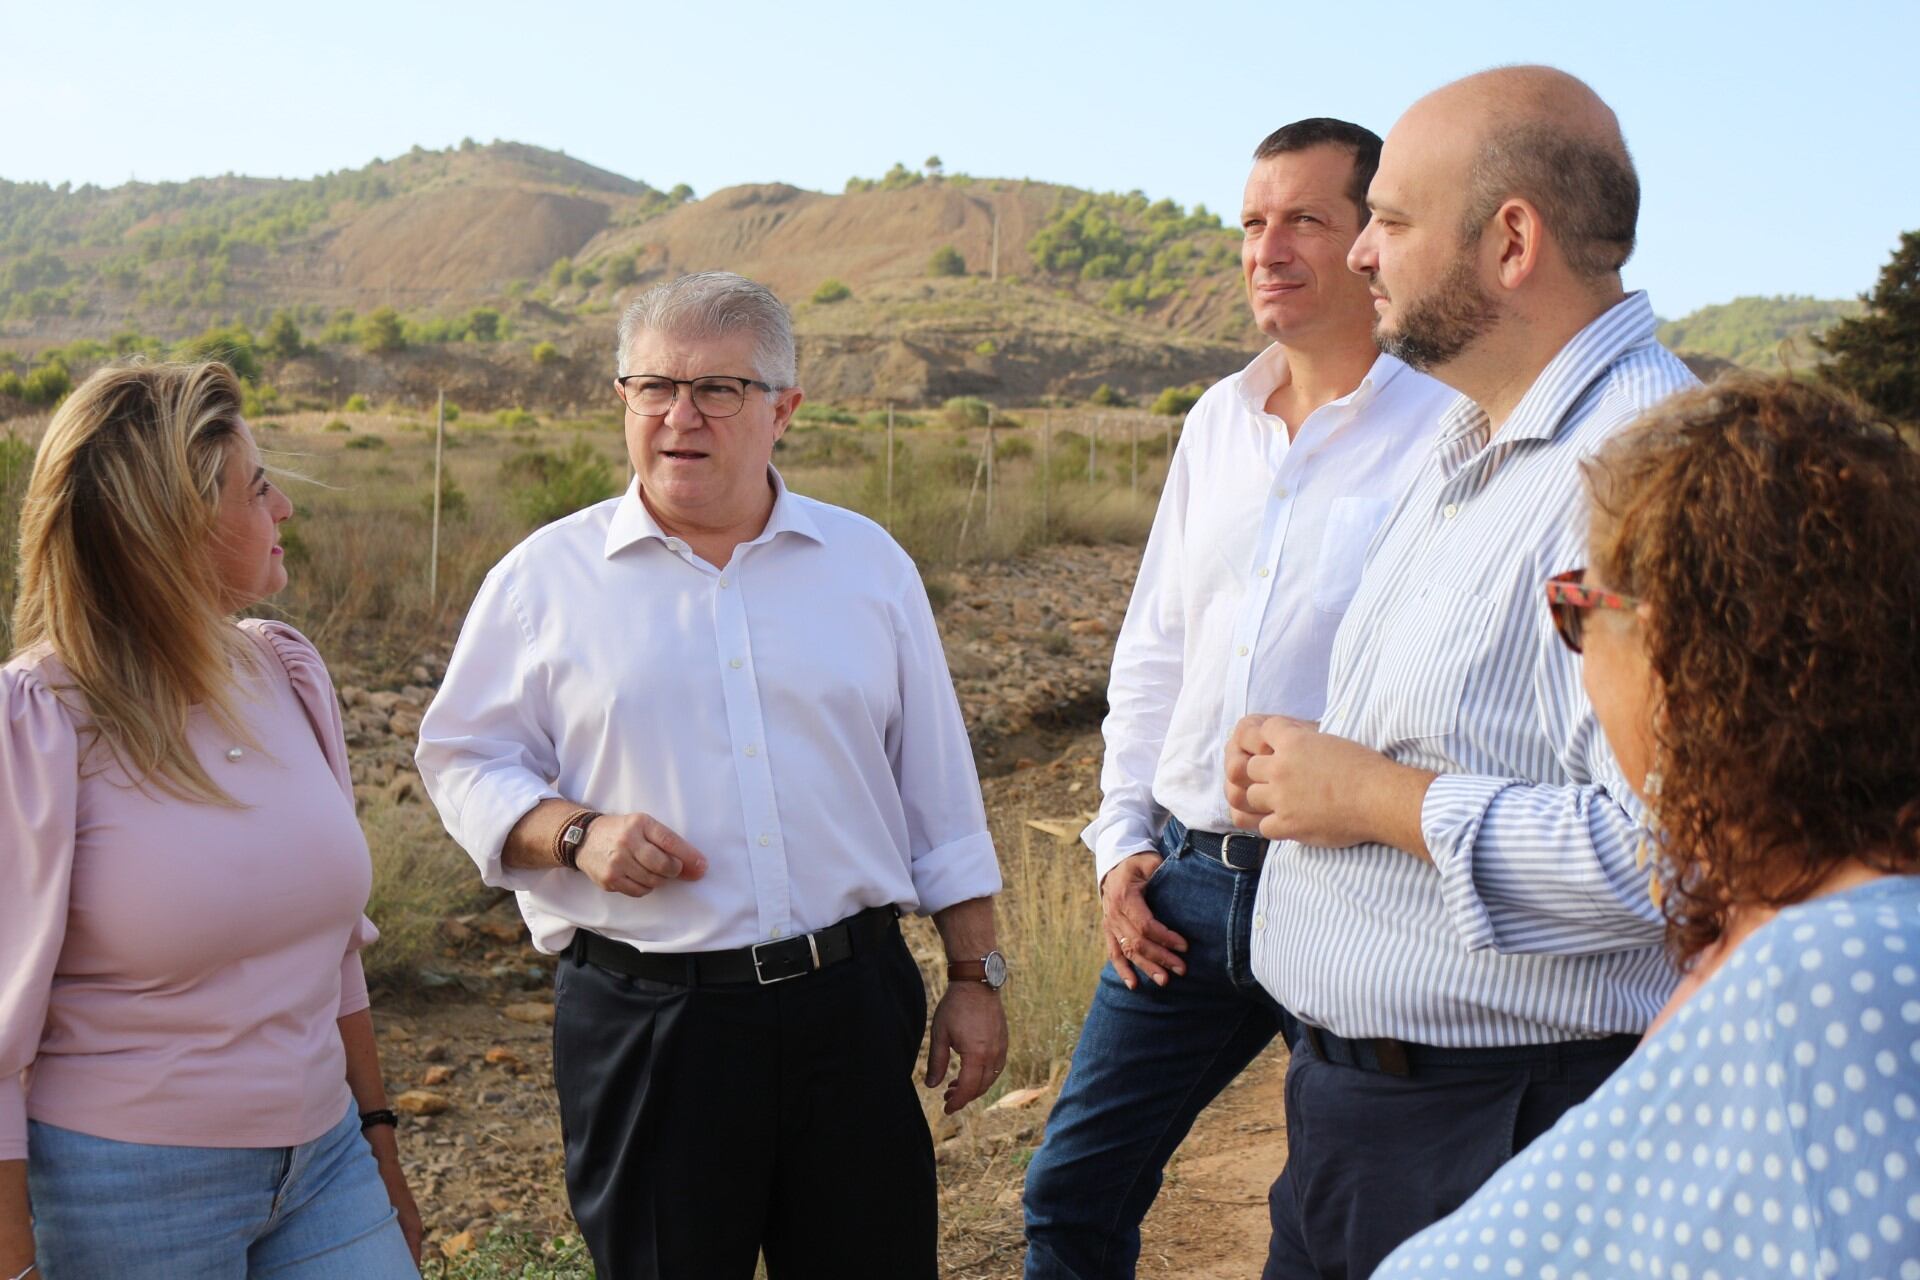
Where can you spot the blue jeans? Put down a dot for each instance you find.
(1148, 1062)
(138, 1211)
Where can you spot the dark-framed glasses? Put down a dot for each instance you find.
(1569, 599)
(714, 395)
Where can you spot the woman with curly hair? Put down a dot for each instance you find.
(188, 1079)
(1750, 618)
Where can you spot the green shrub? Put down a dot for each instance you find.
(356, 403)
(831, 291)
(947, 262)
(10, 385)
(337, 426)
(985, 347)
(813, 411)
(382, 331)
(48, 384)
(452, 411)
(1011, 448)
(966, 411)
(1176, 401)
(344, 327)
(622, 271)
(282, 337)
(453, 499)
(483, 324)
(567, 482)
(1107, 396)
(366, 442)
(561, 273)
(260, 402)
(515, 419)
(545, 353)
(232, 346)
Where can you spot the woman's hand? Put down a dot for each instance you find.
(16, 1225)
(386, 1150)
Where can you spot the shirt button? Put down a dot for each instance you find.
(735, 664)
(1280, 491)
(752, 751)
(723, 582)
(777, 933)
(1450, 510)
(1259, 922)
(1242, 651)
(765, 840)
(1263, 573)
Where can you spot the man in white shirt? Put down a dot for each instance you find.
(1282, 474)
(1459, 921)
(705, 731)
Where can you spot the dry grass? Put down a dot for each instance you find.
(420, 877)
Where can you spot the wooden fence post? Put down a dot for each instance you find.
(439, 447)
(1046, 475)
(889, 466)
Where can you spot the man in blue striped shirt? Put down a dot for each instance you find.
(1454, 908)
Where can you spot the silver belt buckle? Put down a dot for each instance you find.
(1226, 850)
(759, 976)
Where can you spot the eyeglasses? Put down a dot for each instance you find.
(715, 395)
(1568, 599)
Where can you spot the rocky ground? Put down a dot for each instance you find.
(469, 1059)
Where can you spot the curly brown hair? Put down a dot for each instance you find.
(1773, 528)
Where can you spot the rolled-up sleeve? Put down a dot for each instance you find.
(353, 977)
(953, 858)
(39, 789)
(486, 754)
(1539, 868)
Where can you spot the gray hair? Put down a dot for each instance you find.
(1585, 189)
(714, 304)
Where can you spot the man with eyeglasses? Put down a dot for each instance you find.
(1455, 910)
(705, 731)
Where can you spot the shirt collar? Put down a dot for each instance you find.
(1591, 352)
(1269, 369)
(632, 522)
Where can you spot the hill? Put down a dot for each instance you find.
(1756, 333)
(1038, 289)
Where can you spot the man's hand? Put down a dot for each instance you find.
(969, 1021)
(1134, 938)
(634, 854)
(1293, 782)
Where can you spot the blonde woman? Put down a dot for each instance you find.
(188, 1079)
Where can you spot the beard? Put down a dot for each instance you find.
(1436, 329)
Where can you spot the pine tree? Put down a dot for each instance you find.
(1876, 356)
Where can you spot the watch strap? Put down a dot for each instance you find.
(966, 971)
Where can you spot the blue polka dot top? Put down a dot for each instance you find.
(1772, 1128)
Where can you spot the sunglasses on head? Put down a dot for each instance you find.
(1569, 599)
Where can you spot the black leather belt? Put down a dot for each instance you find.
(1235, 850)
(1400, 1058)
(763, 963)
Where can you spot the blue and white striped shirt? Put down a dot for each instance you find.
(1532, 923)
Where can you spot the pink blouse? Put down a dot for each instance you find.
(172, 972)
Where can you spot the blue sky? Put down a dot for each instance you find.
(1775, 142)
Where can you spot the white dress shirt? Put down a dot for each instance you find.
(1532, 922)
(1254, 555)
(789, 713)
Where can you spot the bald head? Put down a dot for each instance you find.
(1543, 136)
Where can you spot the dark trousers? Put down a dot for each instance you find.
(1373, 1158)
(1147, 1063)
(706, 1124)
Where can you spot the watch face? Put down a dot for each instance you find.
(996, 969)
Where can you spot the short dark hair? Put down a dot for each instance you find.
(1324, 131)
(1585, 189)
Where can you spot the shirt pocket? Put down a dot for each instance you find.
(1351, 524)
(1438, 641)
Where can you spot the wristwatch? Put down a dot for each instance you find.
(990, 968)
